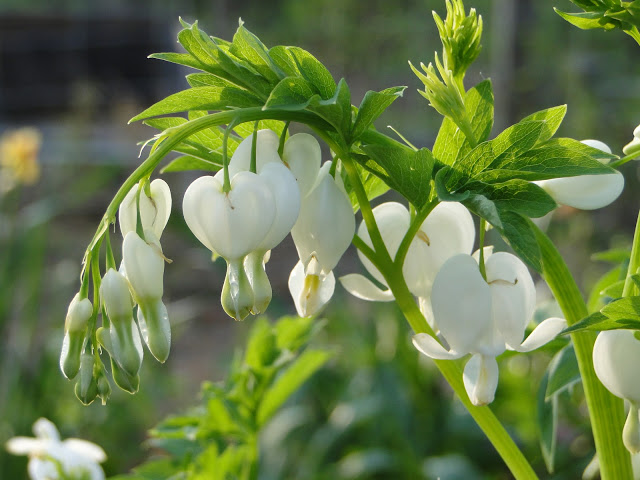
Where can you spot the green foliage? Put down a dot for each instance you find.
(218, 439)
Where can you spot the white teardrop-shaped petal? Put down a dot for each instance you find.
(513, 296)
(26, 446)
(488, 251)
(78, 314)
(231, 224)
(44, 428)
(310, 293)
(480, 378)
(144, 265)
(267, 143)
(154, 210)
(287, 202)
(393, 221)
(461, 303)
(586, 192)
(429, 346)
(632, 147)
(447, 231)
(546, 331)
(616, 356)
(363, 288)
(424, 304)
(326, 223)
(41, 469)
(303, 156)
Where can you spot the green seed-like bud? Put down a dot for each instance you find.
(86, 388)
(70, 354)
(128, 383)
(155, 328)
(104, 387)
(237, 295)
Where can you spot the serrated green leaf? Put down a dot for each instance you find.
(314, 72)
(451, 144)
(208, 80)
(201, 98)
(563, 372)
(248, 47)
(372, 106)
(484, 208)
(187, 163)
(443, 192)
(409, 172)
(595, 301)
(261, 348)
(185, 59)
(336, 110)
(614, 290)
(614, 255)
(552, 118)
(289, 381)
(583, 20)
(518, 233)
(547, 422)
(292, 93)
(627, 308)
(599, 322)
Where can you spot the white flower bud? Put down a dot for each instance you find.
(78, 314)
(326, 223)
(267, 143)
(303, 156)
(586, 192)
(233, 223)
(154, 210)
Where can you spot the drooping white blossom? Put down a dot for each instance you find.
(75, 326)
(267, 143)
(77, 458)
(586, 192)
(616, 356)
(154, 209)
(484, 318)
(303, 156)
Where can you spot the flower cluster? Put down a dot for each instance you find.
(242, 224)
(51, 458)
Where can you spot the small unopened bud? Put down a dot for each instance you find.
(155, 328)
(255, 268)
(631, 431)
(104, 387)
(128, 383)
(86, 388)
(79, 313)
(237, 295)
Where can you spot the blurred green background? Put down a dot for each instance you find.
(77, 71)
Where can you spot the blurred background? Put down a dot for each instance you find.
(72, 73)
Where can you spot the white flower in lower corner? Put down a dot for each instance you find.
(484, 318)
(616, 356)
(586, 192)
(78, 459)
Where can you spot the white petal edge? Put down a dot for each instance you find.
(361, 287)
(85, 449)
(429, 346)
(546, 331)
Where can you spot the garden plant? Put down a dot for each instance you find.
(466, 304)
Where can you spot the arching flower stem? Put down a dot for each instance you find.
(415, 225)
(605, 410)
(634, 262)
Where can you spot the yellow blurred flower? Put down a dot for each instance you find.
(19, 151)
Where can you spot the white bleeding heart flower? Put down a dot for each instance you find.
(326, 223)
(633, 147)
(616, 355)
(267, 143)
(310, 291)
(144, 268)
(47, 453)
(447, 231)
(484, 318)
(232, 223)
(154, 210)
(75, 326)
(586, 192)
(303, 156)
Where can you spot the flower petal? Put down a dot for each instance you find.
(303, 156)
(310, 292)
(429, 346)
(44, 428)
(267, 143)
(546, 331)
(586, 192)
(361, 287)
(26, 446)
(480, 378)
(85, 449)
(616, 356)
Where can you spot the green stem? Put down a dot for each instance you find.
(634, 263)
(605, 410)
(624, 160)
(415, 225)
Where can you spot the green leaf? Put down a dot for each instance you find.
(583, 20)
(615, 255)
(188, 163)
(627, 308)
(261, 348)
(208, 80)
(294, 332)
(201, 98)
(185, 59)
(558, 157)
(295, 61)
(595, 297)
(292, 93)
(614, 290)
(372, 106)
(521, 237)
(335, 110)
(563, 372)
(289, 381)
(247, 46)
(409, 172)
(373, 184)
(515, 196)
(547, 422)
(552, 118)
(599, 322)
(451, 144)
